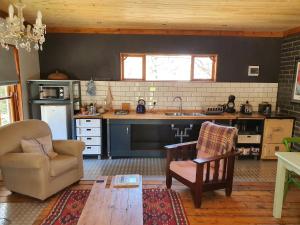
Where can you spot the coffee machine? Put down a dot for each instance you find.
(229, 107)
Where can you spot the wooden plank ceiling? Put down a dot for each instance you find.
(272, 16)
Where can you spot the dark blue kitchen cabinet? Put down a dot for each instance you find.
(145, 138)
(120, 140)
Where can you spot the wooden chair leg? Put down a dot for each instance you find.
(199, 185)
(228, 190)
(197, 197)
(168, 180)
(229, 182)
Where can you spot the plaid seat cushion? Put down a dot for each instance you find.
(215, 139)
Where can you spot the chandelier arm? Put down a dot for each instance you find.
(15, 30)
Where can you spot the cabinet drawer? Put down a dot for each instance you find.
(251, 139)
(91, 150)
(88, 123)
(268, 150)
(277, 129)
(88, 131)
(90, 140)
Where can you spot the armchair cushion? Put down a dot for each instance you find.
(187, 170)
(41, 145)
(61, 164)
(23, 161)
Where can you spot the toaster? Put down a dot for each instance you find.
(265, 108)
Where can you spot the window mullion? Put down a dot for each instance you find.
(144, 67)
(192, 67)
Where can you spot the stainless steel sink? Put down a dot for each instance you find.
(173, 114)
(193, 114)
(184, 114)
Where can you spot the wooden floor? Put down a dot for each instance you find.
(250, 203)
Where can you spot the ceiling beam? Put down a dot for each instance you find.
(292, 31)
(163, 32)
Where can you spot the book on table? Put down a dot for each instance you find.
(126, 181)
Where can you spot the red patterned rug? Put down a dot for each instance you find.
(161, 207)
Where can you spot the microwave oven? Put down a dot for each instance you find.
(54, 92)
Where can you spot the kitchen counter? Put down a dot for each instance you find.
(144, 135)
(160, 115)
(279, 116)
(81, 116)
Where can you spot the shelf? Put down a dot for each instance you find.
(53, 101)
(248, 133)
(247, 144)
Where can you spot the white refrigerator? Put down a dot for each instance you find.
(58, 118)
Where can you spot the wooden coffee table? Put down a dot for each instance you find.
(113, 206)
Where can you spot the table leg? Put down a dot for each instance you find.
(279, 189)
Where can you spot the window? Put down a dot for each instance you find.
(8, 105)
(164, 67)
(133, 67)
(5, 106)
(204, 67)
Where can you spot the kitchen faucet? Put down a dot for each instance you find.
(180, 106)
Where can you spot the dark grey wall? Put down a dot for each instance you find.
(84, 55)
(290, 52)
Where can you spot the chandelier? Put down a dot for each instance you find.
(14, 32)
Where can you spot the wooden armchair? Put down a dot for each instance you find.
(206, 164)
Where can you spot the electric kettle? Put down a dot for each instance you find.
(246, 108)
(141, 107)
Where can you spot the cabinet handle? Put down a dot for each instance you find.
(88, 129)
(89, 138)
(88, 121)
(88, 147)
(127, 130)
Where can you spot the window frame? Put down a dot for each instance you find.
(123, 56)
(214, 67)
(12, 91)
(15, 92)
(192, 75)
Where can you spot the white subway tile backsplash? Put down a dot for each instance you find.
(195, 95)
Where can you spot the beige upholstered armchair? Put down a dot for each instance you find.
(35, 174)
(206, 164)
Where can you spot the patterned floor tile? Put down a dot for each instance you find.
(245, 170)
(20, 213)
(26, 213)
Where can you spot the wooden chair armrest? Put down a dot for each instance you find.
(211, 159)
(183, 151)
(182, 146)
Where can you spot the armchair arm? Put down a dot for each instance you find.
(68, 147)
(215, 158)
(185, 150)
(181, 145)
(23, 160)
